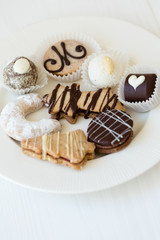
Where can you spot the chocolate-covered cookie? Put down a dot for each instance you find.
(110, 131)
(139, 87)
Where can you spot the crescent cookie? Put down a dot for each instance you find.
(12, 118)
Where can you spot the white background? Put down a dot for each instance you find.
(129, 211)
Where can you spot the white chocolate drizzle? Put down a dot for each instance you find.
(71, 147)
(57, 142)
(101, 122)
(68, 145)
(50, 142)
(44, 146)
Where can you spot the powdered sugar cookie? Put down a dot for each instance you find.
(13, 121)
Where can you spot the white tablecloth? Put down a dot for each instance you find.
(129, 211)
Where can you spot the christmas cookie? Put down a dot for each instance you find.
(69, 102)
(70, 149)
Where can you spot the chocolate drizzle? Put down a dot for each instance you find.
(93, 102)
(63, 57)
(53, 98)
(86, 99)
(113, 98)
(75, 94)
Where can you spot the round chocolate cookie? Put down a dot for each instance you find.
(64, 57)
(110, 131)
(21, 73)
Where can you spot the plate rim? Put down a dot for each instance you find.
(78, 191)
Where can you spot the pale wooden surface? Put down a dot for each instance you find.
(129, 211)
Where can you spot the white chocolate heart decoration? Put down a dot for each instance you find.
(135, 81)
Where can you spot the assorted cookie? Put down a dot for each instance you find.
(70, 149)
(69, 102)
(111, 127)
(111, 131)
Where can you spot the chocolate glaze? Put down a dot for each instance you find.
(93, 102)
(110, 128)
(143, 91)
(63, 58)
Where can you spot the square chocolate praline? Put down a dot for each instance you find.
(143, 92)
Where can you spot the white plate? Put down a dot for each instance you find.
(107, 171)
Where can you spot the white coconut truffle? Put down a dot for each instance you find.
(101, 71)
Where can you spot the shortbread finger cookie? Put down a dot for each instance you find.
(14, 123)
(70, 149)
(68, 102)
(111, 131)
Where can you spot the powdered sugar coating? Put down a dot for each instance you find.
(13, 121)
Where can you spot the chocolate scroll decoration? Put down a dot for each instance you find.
(64, 58)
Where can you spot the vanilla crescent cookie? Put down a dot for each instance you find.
(13, 120)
